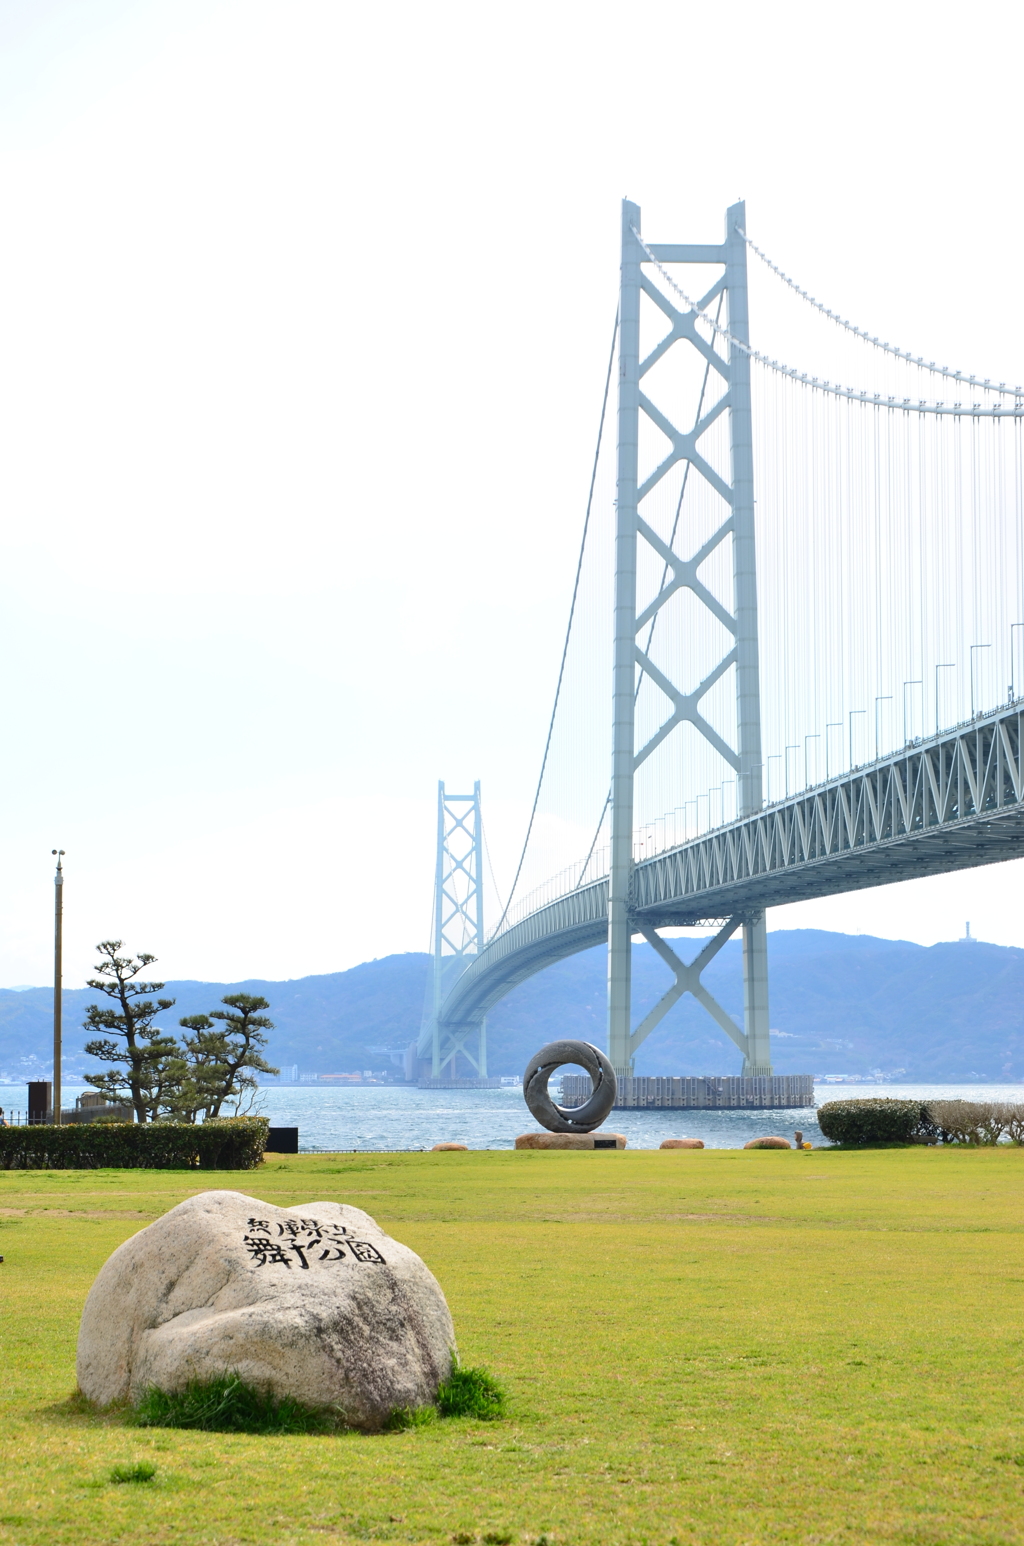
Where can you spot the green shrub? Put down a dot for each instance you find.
(229, 1405)
(471, 1393)
(875, 1122)
(229, 1143)
(141, 1471)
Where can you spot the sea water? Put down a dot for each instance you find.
(378, 1118)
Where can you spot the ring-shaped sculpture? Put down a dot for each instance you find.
(572, 1119)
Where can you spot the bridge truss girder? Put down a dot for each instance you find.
(954, 801)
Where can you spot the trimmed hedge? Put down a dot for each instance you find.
(882, 1120)
(229, 1143)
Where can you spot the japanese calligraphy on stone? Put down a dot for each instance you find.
(304, 1243)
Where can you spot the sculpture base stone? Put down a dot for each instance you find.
(598, 1140)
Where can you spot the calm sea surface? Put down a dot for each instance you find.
(381, 1117)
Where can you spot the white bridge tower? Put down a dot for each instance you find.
(458, 935)
(645, 272)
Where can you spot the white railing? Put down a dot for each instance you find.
(583, 873)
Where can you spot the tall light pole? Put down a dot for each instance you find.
(851, 714)
(58, 926)
(807, 774)
(789, 749)
(885, 697)
(915, 683)
(973, 648)
(945, 665)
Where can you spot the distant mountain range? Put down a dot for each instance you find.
(840, 1004)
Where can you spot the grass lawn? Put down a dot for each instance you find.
(718, 1347)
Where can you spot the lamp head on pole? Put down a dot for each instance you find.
(59, 877)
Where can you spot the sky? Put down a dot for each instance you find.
(304, 323)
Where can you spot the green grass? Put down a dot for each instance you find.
(229, 1405)
(138, 1471)
(719, 1347)
(472, 1393)
(466, 1393)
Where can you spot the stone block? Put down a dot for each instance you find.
(597, 1140)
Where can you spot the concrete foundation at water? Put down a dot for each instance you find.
(763, 1092)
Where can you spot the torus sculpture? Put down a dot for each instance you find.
(575, 1119)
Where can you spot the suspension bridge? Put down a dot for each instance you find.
(795, 567)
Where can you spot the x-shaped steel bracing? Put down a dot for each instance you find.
(684, 571)
(688, 981)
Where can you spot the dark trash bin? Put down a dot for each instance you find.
(40, 1101)
(282, 1140)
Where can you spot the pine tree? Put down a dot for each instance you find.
(206, 1070)
(148, 1065)
(241, 1037)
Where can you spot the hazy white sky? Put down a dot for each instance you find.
(303, 322)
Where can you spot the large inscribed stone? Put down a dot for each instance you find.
(314, 1302)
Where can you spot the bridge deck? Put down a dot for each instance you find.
(951, 802)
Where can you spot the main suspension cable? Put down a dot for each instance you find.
(568, 630)
(859, 332)
(872, 399)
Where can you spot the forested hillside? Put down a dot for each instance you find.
(839, 1004)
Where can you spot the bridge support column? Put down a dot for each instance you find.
(758, 1056)
(757, 1059)
(620, 926)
